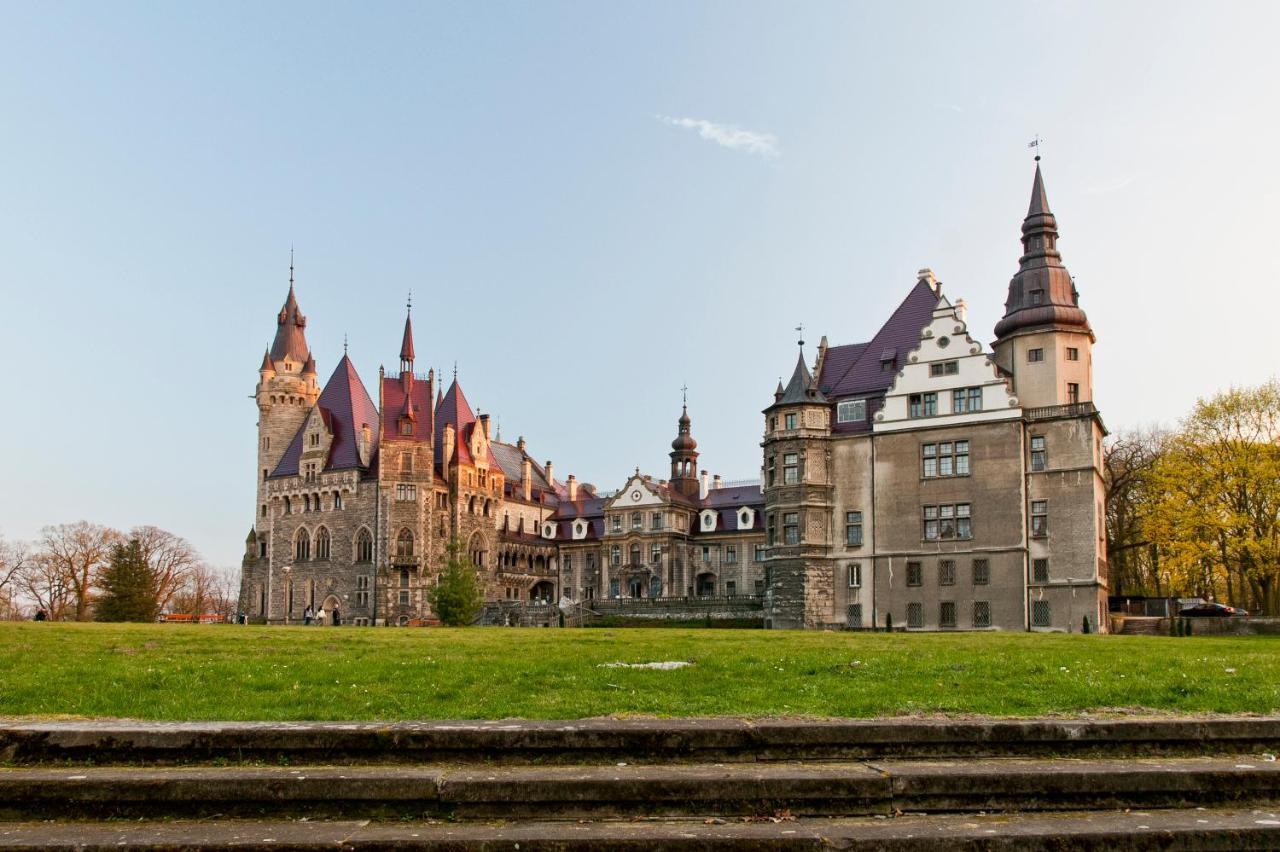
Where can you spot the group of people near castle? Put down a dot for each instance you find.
(311, 616)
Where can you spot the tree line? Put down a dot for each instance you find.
(84, 571)
(1195, 510)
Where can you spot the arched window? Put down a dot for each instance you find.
(404, 543)
(364, 546)
(486, 508)
(615, 555)
(302, 546)
(337, 499)
(635, 555)
(471, 506)
(306, 502)
(322, 543)
(288, 506)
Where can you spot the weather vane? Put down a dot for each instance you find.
(800, 331)
(1035, 143)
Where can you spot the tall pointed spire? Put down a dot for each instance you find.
(291, 340)
(406, 343)
(1041, 293)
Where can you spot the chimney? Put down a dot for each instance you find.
(484, 425)
(572, 484)
(962, 310)
(526, 477)
(551, 480)
(365, 443)
(716, 482)
(450, 444)
(702, 486)
(520, 443)
(926, 275)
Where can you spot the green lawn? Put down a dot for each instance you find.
(233, 672)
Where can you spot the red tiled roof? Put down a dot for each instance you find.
(346, 407)
(393, 400)
(455, 411)
(290, 339)
(406, 345)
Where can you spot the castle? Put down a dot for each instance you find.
(916, 480)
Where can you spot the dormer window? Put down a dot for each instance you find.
(406, 428)
(851, 411)
(1037, 297)
(315, 439)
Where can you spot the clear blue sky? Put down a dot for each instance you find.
(574, 245)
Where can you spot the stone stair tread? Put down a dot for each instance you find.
(1198, 828)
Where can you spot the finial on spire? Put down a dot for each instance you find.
(455, 370)
(684, 394)
(1035, 143)
(291, 266)
(800, 331)
(344, 343)
(409, 305)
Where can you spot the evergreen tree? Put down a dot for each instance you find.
(457, 597)
(126, 584)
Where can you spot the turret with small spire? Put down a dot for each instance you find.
(1044, 339)
(684, 454)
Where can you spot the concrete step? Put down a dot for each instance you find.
(624, 791)
(1193, 829)
(628, 740)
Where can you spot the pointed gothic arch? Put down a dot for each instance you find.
(322, 543)
(478, 549)
(364, 545)
(302, 545)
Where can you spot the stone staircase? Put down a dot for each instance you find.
(643, 784)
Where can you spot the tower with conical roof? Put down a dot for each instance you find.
(287, 388)
(1044, 340)
(798, 497)
(684, 456)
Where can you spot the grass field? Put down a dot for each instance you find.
(233, 672)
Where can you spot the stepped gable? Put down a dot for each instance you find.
(857, 369)
(345, 406)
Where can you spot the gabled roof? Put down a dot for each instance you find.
(856, 368)
(345, 406)
(455, 411)
(393, 401)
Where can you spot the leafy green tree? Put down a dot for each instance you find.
(127, 586)
(457, 597)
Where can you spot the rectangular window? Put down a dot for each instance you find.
(966, 400)
(790, 468)
(404, 598)
(791, 528)
(655, 554)
(1073, 354)
(789, 421)
(731, 555)
(1040, 570)
(915, 615)
(404, 578)
(944, 368)
(947, 521)
(730, 588)
(637, 520)
(617, 523)
(915, 574)
(759, 554)
(853, 529)
(851, 411)
(706, 553)
(855, 617)
(981, 614)
(1039, 452)
(855, 575)
(406, 493)
(1039, 518)
(1073, 392)
(406, 463)
(770, 470)
(947, 614)
(947, 572)
(771, 533)
(981, 572)
(948, 458)
(923, 404)
(1040, 615)
(1035, 356)
(657, 520)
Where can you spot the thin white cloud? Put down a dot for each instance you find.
(1103, 188)
(728, 136)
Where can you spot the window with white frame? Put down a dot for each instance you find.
(944, 458)
(853, 529)
(855, 575)
(791, 527)
(944, 368)
(851, 411)
(1039, 518)
(1039, 452)
(947, 521)
(790, 468)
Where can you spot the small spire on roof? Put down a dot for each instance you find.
(344, 343)
(310, 366)
(455, 370)
(291, 266)
(266, 362)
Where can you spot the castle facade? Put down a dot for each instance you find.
(917, 480)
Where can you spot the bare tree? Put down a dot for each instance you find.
(15, 556)
(1127, 464)
(70, 558)
(207, 590)
(171, 559)
(44, 583)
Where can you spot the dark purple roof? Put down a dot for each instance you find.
(855, 369)
(291, 340)
(345, 406)
(738, 495)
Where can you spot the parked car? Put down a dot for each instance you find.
(1211, 610)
